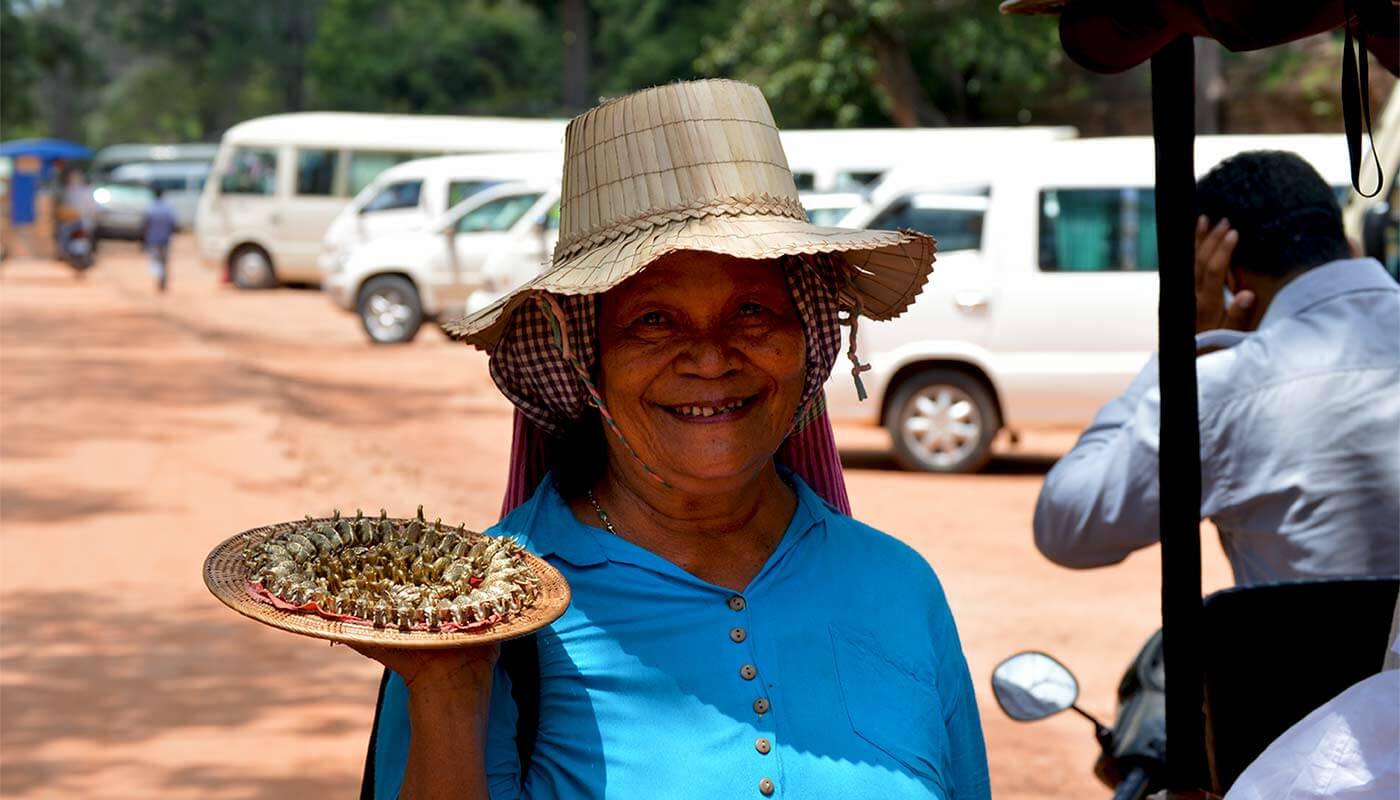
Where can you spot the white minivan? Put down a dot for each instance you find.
(409, 196)
(1043, 301)
(278, 181)
(397, 281)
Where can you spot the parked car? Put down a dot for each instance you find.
(113, 156)
(1042, 305)
(829, 208)
(411, 195)
(120, 208)
(179, 181)
(397, 281)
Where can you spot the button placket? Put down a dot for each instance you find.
(748, 672)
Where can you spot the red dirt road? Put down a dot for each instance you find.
(138, 430)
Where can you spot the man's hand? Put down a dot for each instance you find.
(1214, 247)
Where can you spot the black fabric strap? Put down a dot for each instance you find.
(1356, 102)
(367, 782)
(520, 659)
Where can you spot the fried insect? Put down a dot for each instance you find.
(397, 573)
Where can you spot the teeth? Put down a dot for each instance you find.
(697, 411)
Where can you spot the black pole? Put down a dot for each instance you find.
(1173, 126)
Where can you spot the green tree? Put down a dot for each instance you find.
(435, 56)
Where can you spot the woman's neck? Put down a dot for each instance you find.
(722, 537)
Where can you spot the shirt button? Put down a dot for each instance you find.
(748, 672)
(738, 635)
(766, 786)
(736, 603)
(763, 746)
(761, 705)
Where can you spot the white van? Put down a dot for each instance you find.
(409, 196)
(397, 281)
(1043, 301)
(180, 183)
(854, 159)
(278, 181)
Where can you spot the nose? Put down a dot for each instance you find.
(708, 356)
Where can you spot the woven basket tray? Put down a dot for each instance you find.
(227, 578)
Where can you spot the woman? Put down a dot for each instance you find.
(732, 633)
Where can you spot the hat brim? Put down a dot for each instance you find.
(886, 269)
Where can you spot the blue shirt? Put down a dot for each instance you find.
(836, 673)
(158, 223)
(1300, 442)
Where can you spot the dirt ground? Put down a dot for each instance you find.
(138, 430)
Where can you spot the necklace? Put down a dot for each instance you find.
(602, 515)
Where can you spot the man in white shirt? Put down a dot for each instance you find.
(1299, 388)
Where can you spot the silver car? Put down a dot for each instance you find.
(120, 207)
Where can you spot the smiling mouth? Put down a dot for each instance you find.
(710, 410)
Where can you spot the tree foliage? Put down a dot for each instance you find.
(171, 70)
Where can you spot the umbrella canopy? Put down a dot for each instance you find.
(46, 149)
(1110, 36)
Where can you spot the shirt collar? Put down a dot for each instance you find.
(1324, 283)
(555, 531)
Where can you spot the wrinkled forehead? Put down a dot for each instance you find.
(689, 277)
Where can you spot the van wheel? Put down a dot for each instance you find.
(943, 420)
(390, 309)
(251, 268)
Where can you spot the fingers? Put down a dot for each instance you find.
(1213, 252)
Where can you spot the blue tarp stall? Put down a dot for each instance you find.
(33, 164)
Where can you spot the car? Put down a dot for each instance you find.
(180, 183)
(1043, 302)
(398, 281)
(121, 208)
(829, 208)
(411, 195)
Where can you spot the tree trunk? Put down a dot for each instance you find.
(909, 104)
(573, 15)
(1210, 88)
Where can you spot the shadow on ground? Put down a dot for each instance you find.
(77, 669)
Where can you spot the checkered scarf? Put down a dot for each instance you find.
(546, 362)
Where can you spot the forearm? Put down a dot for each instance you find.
(446, 754)
(1100, 503)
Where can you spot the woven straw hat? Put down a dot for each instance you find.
(695, 166)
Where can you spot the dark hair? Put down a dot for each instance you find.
(157, 191)
(1287, 216)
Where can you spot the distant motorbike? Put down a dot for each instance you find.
(76, 246)
(1032, 686)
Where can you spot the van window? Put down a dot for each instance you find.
(251, 171)
(804, 180)
(1098, 230)
(403, 194)
(954, 220)
(316, 172)
(497, 215)
(457, 191)
(366, 166)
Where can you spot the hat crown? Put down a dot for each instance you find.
(700, 147)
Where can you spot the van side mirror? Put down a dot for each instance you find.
(1032, 685)
(1373, 231)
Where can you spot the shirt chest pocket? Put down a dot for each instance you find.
(891, 708)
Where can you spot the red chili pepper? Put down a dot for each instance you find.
(475, 582)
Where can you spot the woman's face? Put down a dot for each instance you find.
(702, 359)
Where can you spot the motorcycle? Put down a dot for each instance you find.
(1032, 686)
(76, 246)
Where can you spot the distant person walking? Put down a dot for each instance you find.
(157, 227)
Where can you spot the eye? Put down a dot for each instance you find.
(751, 309)
(652, 319)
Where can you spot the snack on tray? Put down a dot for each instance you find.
(410, 574)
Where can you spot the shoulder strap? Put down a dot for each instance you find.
(520, 659)
(367, 782)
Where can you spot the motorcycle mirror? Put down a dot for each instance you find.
(1032, 685)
